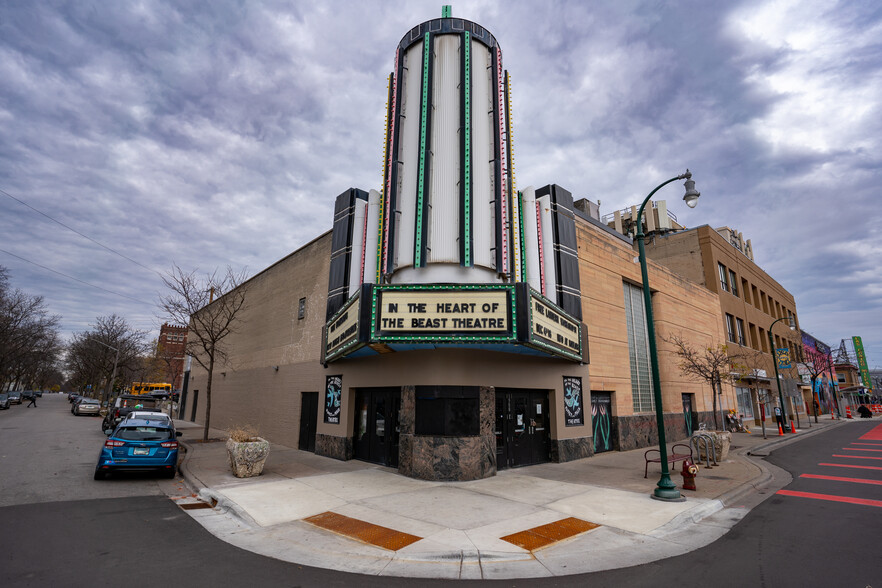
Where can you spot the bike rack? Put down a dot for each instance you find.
(709, 449)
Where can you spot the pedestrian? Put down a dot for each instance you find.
(864, 412)
(33, 401)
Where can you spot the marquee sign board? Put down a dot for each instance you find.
(416, 312)
(506, 315)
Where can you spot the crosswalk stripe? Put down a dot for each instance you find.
(840, 479)
(831, 498)
(858, 456)
(860, 449)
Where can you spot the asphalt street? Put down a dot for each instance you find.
(59, 527)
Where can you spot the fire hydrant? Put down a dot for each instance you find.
(688, 472)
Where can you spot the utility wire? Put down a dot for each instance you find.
(79, 233)
(73, 278)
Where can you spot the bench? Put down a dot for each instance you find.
(673, 456)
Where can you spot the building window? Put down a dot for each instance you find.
(740, 325)
(734, 283)
(745, 290)
(745, 401)
(301, 309)
(450, 411)
(638, 350)
(730, 327)
(724, 284)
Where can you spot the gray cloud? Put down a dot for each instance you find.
(215, 133)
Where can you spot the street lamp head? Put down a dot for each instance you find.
(691, 195)
(791, 323)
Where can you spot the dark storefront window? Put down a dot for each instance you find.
(447, 411)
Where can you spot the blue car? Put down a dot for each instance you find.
(138, 445)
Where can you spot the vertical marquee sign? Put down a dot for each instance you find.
(333, 392)
(574, 410)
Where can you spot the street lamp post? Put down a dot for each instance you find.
(666, 489)
(792, 324)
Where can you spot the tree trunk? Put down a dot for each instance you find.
(714, 395)
(208, 398)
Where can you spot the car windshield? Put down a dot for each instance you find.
(143, 434)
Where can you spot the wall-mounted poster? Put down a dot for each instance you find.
(333, 392)
(574, 411)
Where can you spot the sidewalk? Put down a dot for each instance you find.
(507, 526)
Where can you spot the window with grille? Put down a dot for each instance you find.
(733, 282)
(740, 325)
(724, 284)
(638, 350)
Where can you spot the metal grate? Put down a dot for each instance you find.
(363, 531)
(545, 535)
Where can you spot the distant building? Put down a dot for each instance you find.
(170, 350)
(751, 300)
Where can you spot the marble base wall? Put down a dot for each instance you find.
(429, 457)
(333, 446)
(563, 450)
(639, 431)
(451, 459)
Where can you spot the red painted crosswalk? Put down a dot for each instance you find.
(875, 434)
(869, 445)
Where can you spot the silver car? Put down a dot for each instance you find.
(87, 406)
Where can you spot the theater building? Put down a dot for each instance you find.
(450, 323)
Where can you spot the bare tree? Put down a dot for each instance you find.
(710, 365)
(210, 305)
(28, 336)
(91, 355)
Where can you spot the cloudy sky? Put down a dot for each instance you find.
(215, 133)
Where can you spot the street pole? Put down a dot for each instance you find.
(777, 375)
(666, 490)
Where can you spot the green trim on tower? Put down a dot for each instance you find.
(419, 240)
(446, 11)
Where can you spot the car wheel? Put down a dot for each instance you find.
(99, 475)
(171, 473)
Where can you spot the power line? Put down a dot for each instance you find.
(73, 278)
(79, 233)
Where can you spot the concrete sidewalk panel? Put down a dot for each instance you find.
(389, 520)
(525, 489)
(447, 506)
(366, 483)
(630, 511)
(272, 503)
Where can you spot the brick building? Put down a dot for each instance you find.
(170, 352)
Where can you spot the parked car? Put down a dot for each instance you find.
(4, 401)
(150, 415)
(38, 393)
(15, 397)
(90, 406)
(139, 444)
(72, 397)
(123, 405)
(28, 395)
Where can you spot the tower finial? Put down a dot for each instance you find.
(446, 11)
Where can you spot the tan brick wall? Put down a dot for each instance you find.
(680, 307)
(696, 254)
(270, 334)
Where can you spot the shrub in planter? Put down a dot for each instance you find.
(247, 452)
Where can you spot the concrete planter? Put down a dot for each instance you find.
(247, 457)
(722, 441)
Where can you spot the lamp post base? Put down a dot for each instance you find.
(667, 495)
(666, 490)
